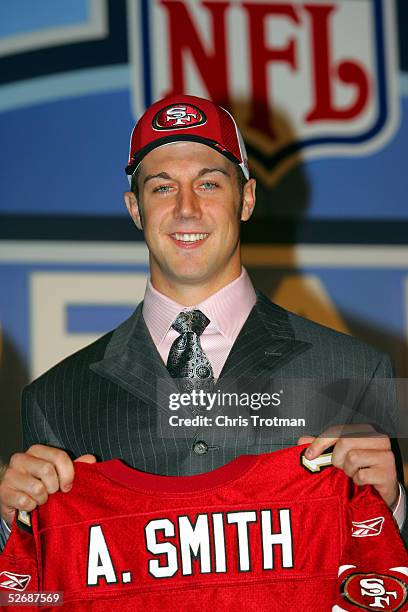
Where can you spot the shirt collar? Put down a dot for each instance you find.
(227, 309)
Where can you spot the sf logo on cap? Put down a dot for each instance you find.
(178, 116)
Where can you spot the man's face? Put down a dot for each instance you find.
(189, 206)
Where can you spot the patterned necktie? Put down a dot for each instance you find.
(187, 360)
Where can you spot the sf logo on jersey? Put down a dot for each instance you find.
(375, 591)
(374, 588)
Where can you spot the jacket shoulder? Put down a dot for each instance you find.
(325, 338)
(75, 362)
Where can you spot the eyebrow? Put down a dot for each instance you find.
(202, 172)
(163, 175)
(209, 170)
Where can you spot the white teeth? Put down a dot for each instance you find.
(189, 237)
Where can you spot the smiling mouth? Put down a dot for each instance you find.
(188, 240)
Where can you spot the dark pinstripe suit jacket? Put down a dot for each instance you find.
(102, 399)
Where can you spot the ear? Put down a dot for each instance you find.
(248, 199)
(133, 208)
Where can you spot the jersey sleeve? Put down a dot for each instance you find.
(19, 573)
(373, 573)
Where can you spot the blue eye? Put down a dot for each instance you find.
(209, 185)
(161, 189)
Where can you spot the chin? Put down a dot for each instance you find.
(191, 276)
(191, 279)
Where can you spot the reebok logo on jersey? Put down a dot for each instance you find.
(15, 582)
(365, 529)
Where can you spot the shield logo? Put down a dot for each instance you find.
(302, 79)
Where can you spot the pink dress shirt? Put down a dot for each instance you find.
(227, 310)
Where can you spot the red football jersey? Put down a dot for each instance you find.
(264, 532)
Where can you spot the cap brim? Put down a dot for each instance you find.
(160, 142)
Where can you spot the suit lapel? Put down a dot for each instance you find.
(264, 345)
(132, 361)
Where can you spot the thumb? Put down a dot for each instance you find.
(8, 516)
(86, 459)
(305, 440)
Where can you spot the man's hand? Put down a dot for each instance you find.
(363, 454)
(33, 475)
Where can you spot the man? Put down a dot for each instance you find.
(190, 190)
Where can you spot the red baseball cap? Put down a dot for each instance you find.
(186, 118)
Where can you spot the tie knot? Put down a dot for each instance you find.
(191, 321)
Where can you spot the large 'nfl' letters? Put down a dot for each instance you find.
(310, 77)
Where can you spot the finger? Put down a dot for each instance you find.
(375, 477)
(26, 484)
(59, 460)
(324, 441)
(371, 475)
(13, 500)
(19, 501)
(305, 440)
(358, 459)
(86, 459)
(347, 436)
(7, 514)
(27, 468)
(9, 500)
(345, 446)
(318, 446)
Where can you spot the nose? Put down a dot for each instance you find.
(187, 205)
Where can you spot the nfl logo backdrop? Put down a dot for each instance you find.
(314, 79)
